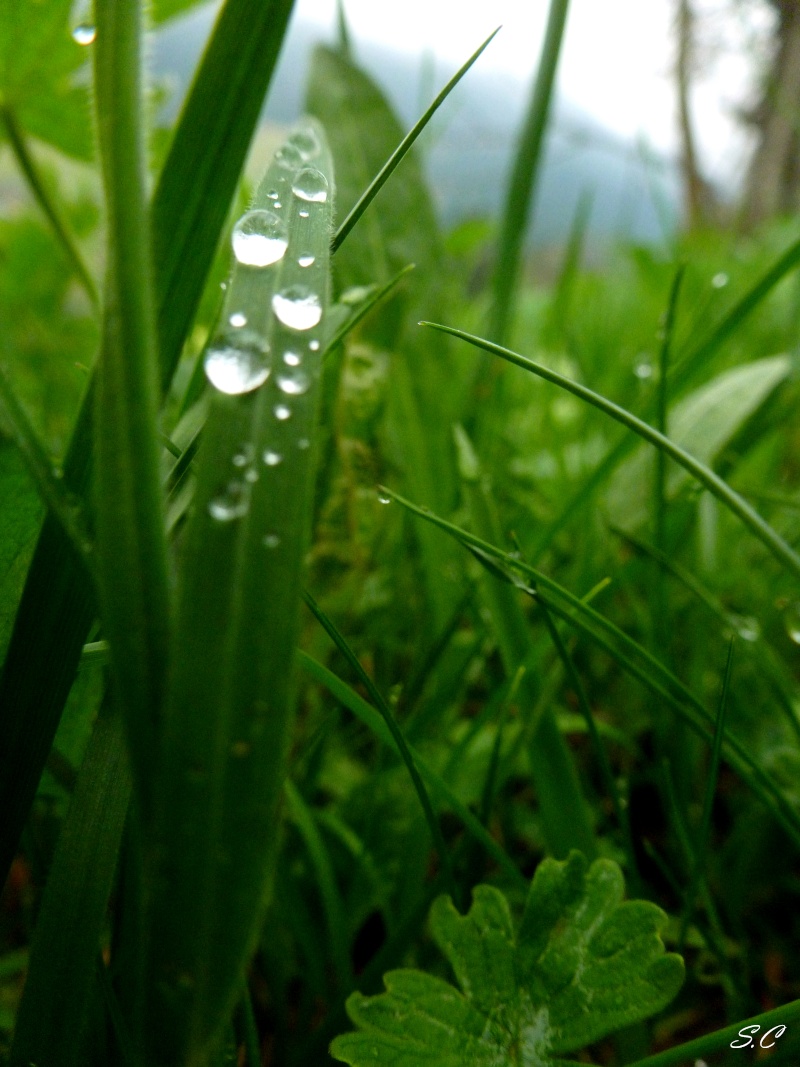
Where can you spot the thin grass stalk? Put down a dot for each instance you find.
(131, 544)
(524, 177)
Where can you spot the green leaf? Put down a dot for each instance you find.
(582, 965)
(702, 423)
(38, 65)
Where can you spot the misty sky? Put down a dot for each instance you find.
(616, 62)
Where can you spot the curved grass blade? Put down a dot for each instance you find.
(394, 729)
(366, 307)
(129, 515)
(188, 212)
(66, 940)
(524, 175)
(403, 148)
(633, 658)
(229, 709)
(708, 478)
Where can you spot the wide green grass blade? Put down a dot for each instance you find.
(131, 543)
(189, 208)
(634, 659)
(720, 489)
(66, 940)
(522, 185)
(230, 704)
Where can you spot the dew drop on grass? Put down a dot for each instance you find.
(792, 620)
(643, 370)
(84, 33)
(243, 456)
(237, 362)
(273, 194)
(311, 185)
(272, 459)
(305, 143)
(271, 541)
(313, 346)
(291, 359)
(303, 443)
(384, 498)
(282, 412)
(297, 307)
(748, 628)
(289, 155)
(251, 475)
(303, 213)
(258, 239)
(305, 260)
(237, 320)
(294, 384)
(230, 504)
(719, 281)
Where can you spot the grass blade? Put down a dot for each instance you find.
(403, 148)
(131, 545)
(524, 176)
(229, 710)
(720, 489)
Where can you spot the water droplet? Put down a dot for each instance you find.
(305, 143)
(289, 155)
(272, 459)
(243, 457)
(313, 346)
(273, 194)
(748, 628)
(240, 749)
(281, 412)
(84, 33)
(643, 370)
(312, 185)
(384, 498)
(303, 213)
(237, 362)
(303, 443)
(230, 504)
(237, 320)
(297, 307)
(792, 620)
(305, 260)
(294, 384)
(58, 473)
(251, 475)
(291, 359)
(257, 239)
(719, 281)
(277, 205)
(271, 541)
(223, 286)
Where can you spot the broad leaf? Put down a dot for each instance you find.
(581, 965)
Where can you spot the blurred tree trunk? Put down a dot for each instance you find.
(699, 201)
(773, 181)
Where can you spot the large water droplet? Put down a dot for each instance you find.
(297, 307)
(230, 504)
(792, 620)
(258, 239)
(272, 459)
(305, 260)
(237, 362)
(84, 33)
(306, 142)
(643, 370)
(282, 412)
(291, 359)
(294, 384)
(312, 185)
(289, 155)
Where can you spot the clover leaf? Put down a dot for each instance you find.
(581, 965)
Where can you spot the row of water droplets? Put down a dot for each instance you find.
(239, 360)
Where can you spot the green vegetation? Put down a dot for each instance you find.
(358, 611)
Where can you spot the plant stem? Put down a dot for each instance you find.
(27, 165)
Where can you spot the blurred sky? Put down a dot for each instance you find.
(616, 63)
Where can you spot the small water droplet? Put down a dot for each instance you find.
(303, 213)
(237, 362)
(58, 473)
(251, 475)
(792, 620)
(273, 194)
(223, 286)
(230, 504)
(84, 33)
(297, 307)
(719, 281)
(271, 541)
(303, 443)
(305, 142)
(643, 370)
(305, 260)
(294, 384)
(277, 205)
(289, 155)
(291, 359)
(748, 628)
(311, 185)
(237, 320)
(272, 459)
(282, 412)
(258, 239)
(240, 749)
(313, 346)
(384, 498)
(243, 457)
